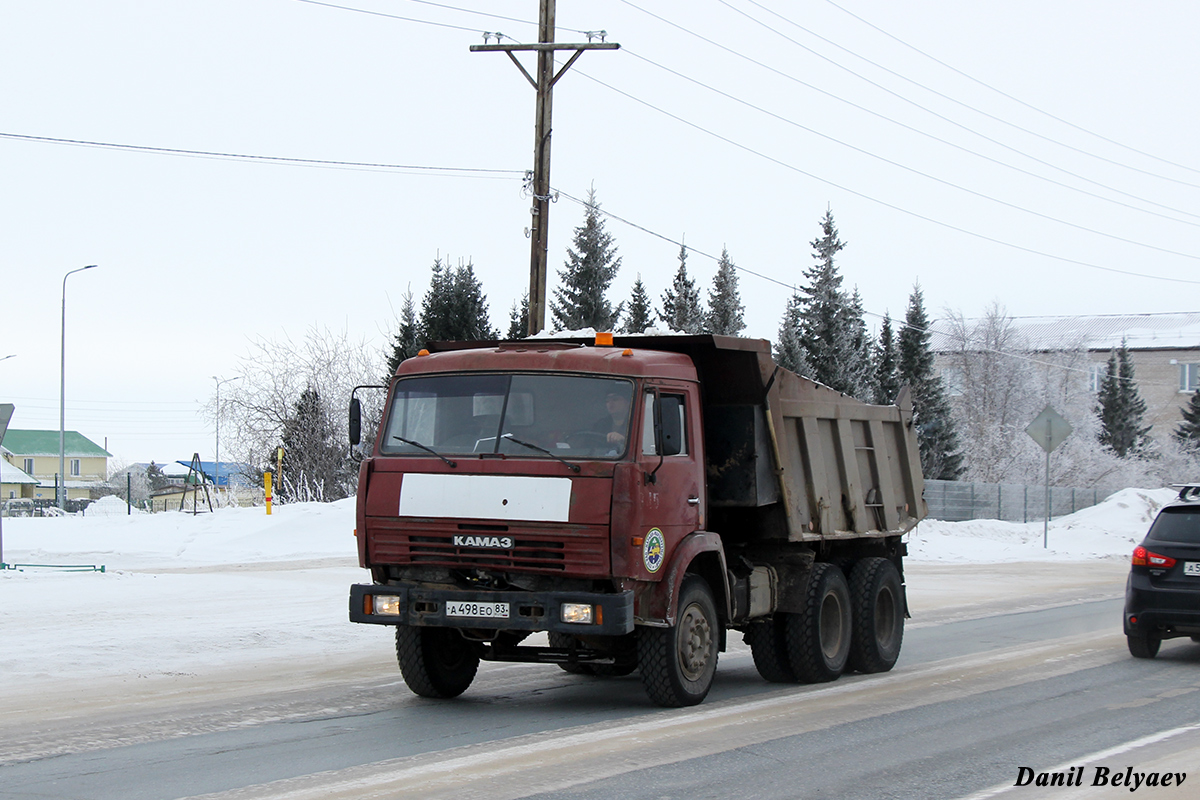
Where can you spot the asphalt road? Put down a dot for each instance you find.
(970, 702)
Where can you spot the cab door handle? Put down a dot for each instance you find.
(693, 501)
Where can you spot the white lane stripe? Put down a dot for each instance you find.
(1153, 738)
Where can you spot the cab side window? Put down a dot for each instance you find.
(670, 410)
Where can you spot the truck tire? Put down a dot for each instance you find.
(768, 644)
(678, 663)
(877, 610)
(435, 662)
(818, 638)
(1143, 644)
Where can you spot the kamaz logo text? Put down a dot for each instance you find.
(498, 542)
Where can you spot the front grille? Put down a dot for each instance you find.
(524, 554)
(577, 551)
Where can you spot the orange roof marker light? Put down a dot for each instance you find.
(604, 339)
(423, 353)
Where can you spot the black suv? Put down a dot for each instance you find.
(1162, 595)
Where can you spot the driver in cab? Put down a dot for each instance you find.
(615, 423)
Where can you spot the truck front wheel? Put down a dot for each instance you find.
(818, 637)
(435, 662)
(678, 663)
(878, 614)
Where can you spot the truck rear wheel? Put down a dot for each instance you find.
(678, 663)
(878, 615)
(435, 662)
(768, 644)
(818, 638)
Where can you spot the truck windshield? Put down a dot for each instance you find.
(570, 416)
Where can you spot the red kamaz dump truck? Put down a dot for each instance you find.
(635, 500)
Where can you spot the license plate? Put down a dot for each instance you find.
(455, 608)
(1191, 568)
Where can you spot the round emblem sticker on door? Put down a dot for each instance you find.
(653, 549)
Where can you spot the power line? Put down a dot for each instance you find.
(492, 16)
(884, 203)
(910, 128)
(939, 94)
(1009, 96)
(84, 403)
(302, 162)
(919, 172)
(390, 16)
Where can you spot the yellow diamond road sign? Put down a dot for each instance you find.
(1049, 429)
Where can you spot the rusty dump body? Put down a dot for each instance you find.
(596, 492)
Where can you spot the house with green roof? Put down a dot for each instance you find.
(36, 454)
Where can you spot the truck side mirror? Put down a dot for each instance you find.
(355, 421)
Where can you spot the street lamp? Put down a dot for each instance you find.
(217, 455)
(62, 397)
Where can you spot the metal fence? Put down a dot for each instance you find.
(954, 501)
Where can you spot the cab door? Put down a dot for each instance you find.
(671, 498)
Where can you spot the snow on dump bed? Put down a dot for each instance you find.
(1109, 530)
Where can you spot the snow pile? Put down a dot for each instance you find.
(110, 506)
(1109, 530)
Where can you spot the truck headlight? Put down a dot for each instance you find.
(579, 613)
(387, 604)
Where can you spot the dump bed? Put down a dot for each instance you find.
(789, 458)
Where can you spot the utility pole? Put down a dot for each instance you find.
(539, 230)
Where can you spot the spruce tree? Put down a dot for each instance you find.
(314, 461)
(789, 353)
(591, 265)
(1188, 432)
(1120, 407)
(405, 343)
(887, 375)
(518, 318)
(681, 309)
(860, 373)
(455, 307)
(724, 302)
(832, 333)
(638, 314)
(940, 458)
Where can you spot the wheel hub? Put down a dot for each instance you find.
(695, 642)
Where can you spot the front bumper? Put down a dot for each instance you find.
(528, 611)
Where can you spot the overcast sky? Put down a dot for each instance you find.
(1041, 155)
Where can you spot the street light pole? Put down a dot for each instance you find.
(217, 453)
(62, 397)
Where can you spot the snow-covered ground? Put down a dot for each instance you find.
(185, 596)
(1107, 531)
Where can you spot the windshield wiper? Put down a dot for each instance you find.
(427, 450)
(512, 438)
